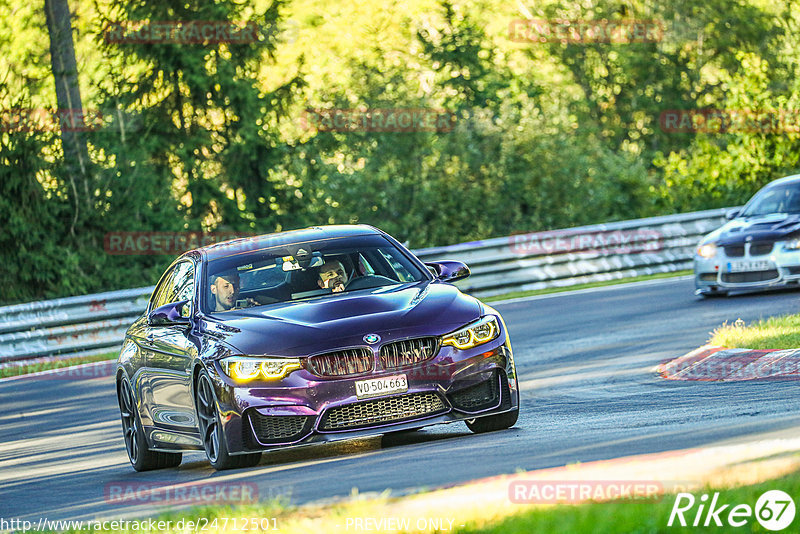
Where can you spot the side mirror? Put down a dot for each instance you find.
(732, 214)
(448, 271)
(169, 315)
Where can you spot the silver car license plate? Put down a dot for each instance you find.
(749, 266)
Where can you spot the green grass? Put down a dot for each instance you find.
(56, 364)
(517, 294)
(773, 333)
(639, 516)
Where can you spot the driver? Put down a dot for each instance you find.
(225, 289)
(332, 276)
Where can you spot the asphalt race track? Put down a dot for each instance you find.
(585, 362)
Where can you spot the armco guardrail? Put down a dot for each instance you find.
(69, 326)
(578, 255)
(91, 323)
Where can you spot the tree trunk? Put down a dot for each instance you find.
(68, 95)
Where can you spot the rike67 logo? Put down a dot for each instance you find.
(774, 510)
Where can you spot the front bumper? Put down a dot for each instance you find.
(751, 270)
(452, 386)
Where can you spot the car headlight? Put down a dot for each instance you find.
(244, 369)
(792, 245)
(474, 334)
(709, 250)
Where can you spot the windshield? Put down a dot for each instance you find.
(778, 199)
(303, 270)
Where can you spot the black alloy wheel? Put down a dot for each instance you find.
(140, 455)
(211, 430)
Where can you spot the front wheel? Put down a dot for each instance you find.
(214, 442)
(715, 293)
(141, 457)
(493, 422)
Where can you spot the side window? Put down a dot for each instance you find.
(400, 270)
(183, 285)
(365, 267)
(160, 295)
(177, 285)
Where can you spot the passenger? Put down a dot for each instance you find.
(332, 276)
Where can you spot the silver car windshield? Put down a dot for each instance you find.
(778, 199)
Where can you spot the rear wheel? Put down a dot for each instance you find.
(493, 422)
(141, 457)
(214, 442)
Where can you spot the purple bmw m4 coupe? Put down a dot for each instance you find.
(307, 336)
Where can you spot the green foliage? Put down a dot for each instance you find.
(208, 136)
(725, 168)
(31, 252)
(507, 164)
(208, 123)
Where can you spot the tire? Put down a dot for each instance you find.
(249, 460)
(213, 436)
(493, 422)
(393, 438)
(139, 454)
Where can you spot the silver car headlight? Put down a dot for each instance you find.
(245, 368)
(709, 250)
(472, 335)
(792, 245)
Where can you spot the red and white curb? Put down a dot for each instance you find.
(710, 363)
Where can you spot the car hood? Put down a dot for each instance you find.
(330, 322)
(773, 227)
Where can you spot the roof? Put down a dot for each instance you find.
(784, 180)
(314, 233)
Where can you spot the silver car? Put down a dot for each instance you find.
(758, 247)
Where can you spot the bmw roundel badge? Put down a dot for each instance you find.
(372, 338)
